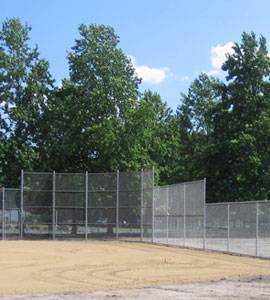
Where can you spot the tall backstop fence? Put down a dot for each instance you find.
(120, 205)
(86, 205)
(127, 206)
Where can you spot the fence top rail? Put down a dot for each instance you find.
(181, 183)
(9, 189)
(84, 173)
(69, 174)
(240, 202)
(39, 173)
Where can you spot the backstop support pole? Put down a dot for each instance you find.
(153, 204)
(204, 212)
(228, 227)
(53, 206)
(86, 205)
(117, 203)
(184, 229)
(167, 215)
(3, 214)
(141, 237)
(257, 227)
(21, 208)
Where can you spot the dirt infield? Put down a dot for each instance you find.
(39, 267)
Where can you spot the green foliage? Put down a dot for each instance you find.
(98, 121)
(25, 86)
(240, 120)
(88, 113)
(148, 136)
(195, 125)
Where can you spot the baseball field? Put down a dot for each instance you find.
(64, 267)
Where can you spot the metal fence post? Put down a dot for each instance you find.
(3, 214)
(204, 212)
(117, 204)
(184, 227)
(257, 226)
(53, 206)
(167, 214)
(21, 208)
(86, 205)
(153, 204)
(228, 227)
(141, 238)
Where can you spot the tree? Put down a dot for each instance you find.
(196, 111)
(103, 72)
(92, 105)
(148, 137)
(89, 111)
(195, 126)
(25, 87)
(239, 152)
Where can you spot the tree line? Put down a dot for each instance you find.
(97, 120)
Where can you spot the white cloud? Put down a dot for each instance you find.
(214, 72)
(151, 75)
(184, 78)
(218, 57)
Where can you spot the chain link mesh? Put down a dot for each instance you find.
(263, 229)
(179, 214)
(127, 206)
(216, 226)
(11, 214)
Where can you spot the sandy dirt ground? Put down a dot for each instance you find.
(55, 270)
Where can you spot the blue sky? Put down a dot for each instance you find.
(170, 41)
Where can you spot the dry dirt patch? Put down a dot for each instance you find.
(38, 267)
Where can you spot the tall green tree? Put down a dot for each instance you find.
(195, 125)
(103, 72)
(92, 105)
(148, 137)
(241, 119)
(25, 84)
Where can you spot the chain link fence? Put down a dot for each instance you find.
(179, 214)
(85, 205)
(10, 213)
(240, 228)
(127, 205)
